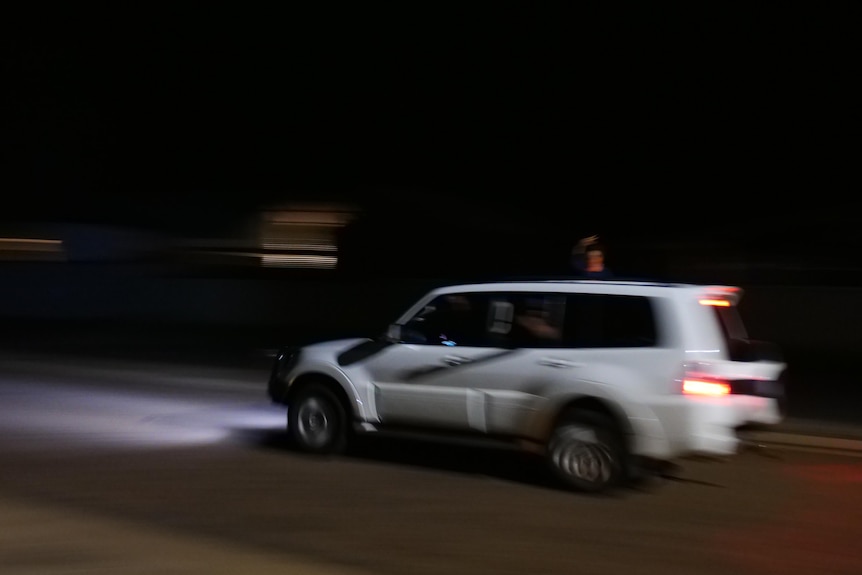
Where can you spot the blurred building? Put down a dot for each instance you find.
(302, 235)
(293, 235)
(78, 243)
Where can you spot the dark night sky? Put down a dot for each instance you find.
(624, 111)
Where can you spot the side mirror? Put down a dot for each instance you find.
(393, 333)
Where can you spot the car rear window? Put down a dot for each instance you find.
(732, 326)
(740, 347)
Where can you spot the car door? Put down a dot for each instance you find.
(425, 381)
(514, 384)
(426, 386)
(598, 345)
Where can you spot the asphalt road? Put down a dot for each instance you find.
(114, 466)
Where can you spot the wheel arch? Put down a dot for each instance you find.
(325, 380)
(614, 413)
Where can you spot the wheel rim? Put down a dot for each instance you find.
(580, 456)
(315, 422)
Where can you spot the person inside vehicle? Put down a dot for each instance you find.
(536, 324)
(588, 259)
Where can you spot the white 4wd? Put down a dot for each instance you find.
(599, 376)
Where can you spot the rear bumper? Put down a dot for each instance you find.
(686, 426)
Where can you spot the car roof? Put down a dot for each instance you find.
(734, 293)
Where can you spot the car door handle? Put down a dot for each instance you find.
(553, 362)
(455, 360)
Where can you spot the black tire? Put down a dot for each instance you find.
(586, 452)
(317, 421)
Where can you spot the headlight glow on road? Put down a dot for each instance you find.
(54, 418)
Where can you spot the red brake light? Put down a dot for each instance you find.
(714, 302)
(720, 296)
(694, 386)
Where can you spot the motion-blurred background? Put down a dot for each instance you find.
(285, 171)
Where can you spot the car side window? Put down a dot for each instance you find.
(599, 320)
(522, 319)
(450, 320)
(539, 320)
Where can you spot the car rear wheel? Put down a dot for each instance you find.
(585, 452)
(317, 421)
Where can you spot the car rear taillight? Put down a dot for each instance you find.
(715, 302)
(703, 386)
(700, 379)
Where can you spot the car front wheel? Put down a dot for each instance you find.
(316, 420)
(585, 452)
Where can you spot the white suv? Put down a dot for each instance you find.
(601, 377)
